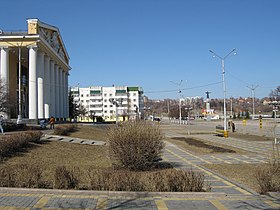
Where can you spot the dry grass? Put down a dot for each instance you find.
(249, 137)
(51, 155)
(93, 132)
(202, 147)
(241, 173)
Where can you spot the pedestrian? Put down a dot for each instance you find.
(233, 127)
(52, 121)
(229, 124)
(1, 124)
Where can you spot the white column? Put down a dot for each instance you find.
(67, 95)
(33, 83)
(60, 93)
(52, 89)
(5, 66)
(63, 95)
(57, 113)
(40, 78)
(47, 87)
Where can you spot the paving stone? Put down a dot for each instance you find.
(131, 204)
(246, 204)
(19, 201)
(190, 204)
(71, 203)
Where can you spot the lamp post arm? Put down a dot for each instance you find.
(229, 53)
(215, 54)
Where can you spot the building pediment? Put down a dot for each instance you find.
(50, 34)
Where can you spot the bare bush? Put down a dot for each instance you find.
(66, 178)
(64, 130)
(13, 143)
(136, 145)
(21, 175)
(268, 176)
(169, 180)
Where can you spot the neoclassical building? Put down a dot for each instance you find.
(34, 65)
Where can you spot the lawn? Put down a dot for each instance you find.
(51, 154)
(94, 132)
(241, 173)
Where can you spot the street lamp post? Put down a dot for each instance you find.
(224, 84)
(116, 102)
(179, 92)
(19, 119)
(253, 95)
(188, 108)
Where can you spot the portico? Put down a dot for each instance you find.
(39, 60)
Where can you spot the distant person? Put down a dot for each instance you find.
(1, 124)
(229, 124)
(233, 127)
(52, 121)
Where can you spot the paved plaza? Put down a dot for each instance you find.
(225, 194)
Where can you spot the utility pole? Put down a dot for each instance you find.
(179, 92)
(253, 88)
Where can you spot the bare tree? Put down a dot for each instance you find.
(82, 111)
(4, 98)
(275, 94)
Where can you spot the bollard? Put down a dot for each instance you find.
(225, 134)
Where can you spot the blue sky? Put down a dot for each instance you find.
(149, 43)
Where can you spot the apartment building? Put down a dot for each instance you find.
(109, 103)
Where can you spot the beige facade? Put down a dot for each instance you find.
(39, 60)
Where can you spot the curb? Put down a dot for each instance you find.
(130, 194)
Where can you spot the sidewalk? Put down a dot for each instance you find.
(31, 199)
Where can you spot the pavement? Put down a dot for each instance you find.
(225, 193)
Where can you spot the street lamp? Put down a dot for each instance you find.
(136, 112)
(180, 95)
(253, 95)
(224, 84)
(116, 102)
(188, 108)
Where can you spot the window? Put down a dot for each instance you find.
(105, 105)
(111, 105)
(82, 95)
(110, 94)
(105, 94)
(105, 100)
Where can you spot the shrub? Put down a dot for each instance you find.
(135, 145)
(21, 175)
(13, 143)
(268, 176)
(66, 178)
(64, 130)
(169, 180)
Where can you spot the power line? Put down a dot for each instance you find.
(195, 87)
